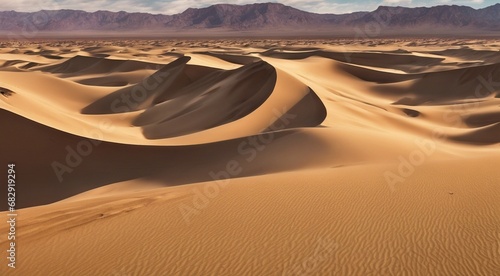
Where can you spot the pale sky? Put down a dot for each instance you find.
(177, 6)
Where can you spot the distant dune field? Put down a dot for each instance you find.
(253, 157)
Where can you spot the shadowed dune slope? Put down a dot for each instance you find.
(93, 65)
(401, 61)
(143, 94)
(450, 87)
(219, 98)
(62, 165)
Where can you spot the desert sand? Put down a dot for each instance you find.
(252, 157)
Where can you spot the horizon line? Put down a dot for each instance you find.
(242, 5)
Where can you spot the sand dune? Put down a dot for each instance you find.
(406, 61)
(90, 65)
(253, 157)
(237, 58)
(167, 77)
(63, 161)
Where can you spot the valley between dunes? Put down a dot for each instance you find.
(252, 157)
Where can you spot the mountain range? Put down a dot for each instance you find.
(260, 18)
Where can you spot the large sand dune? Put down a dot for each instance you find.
(369, 157)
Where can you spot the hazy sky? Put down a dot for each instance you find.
(176, 6)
